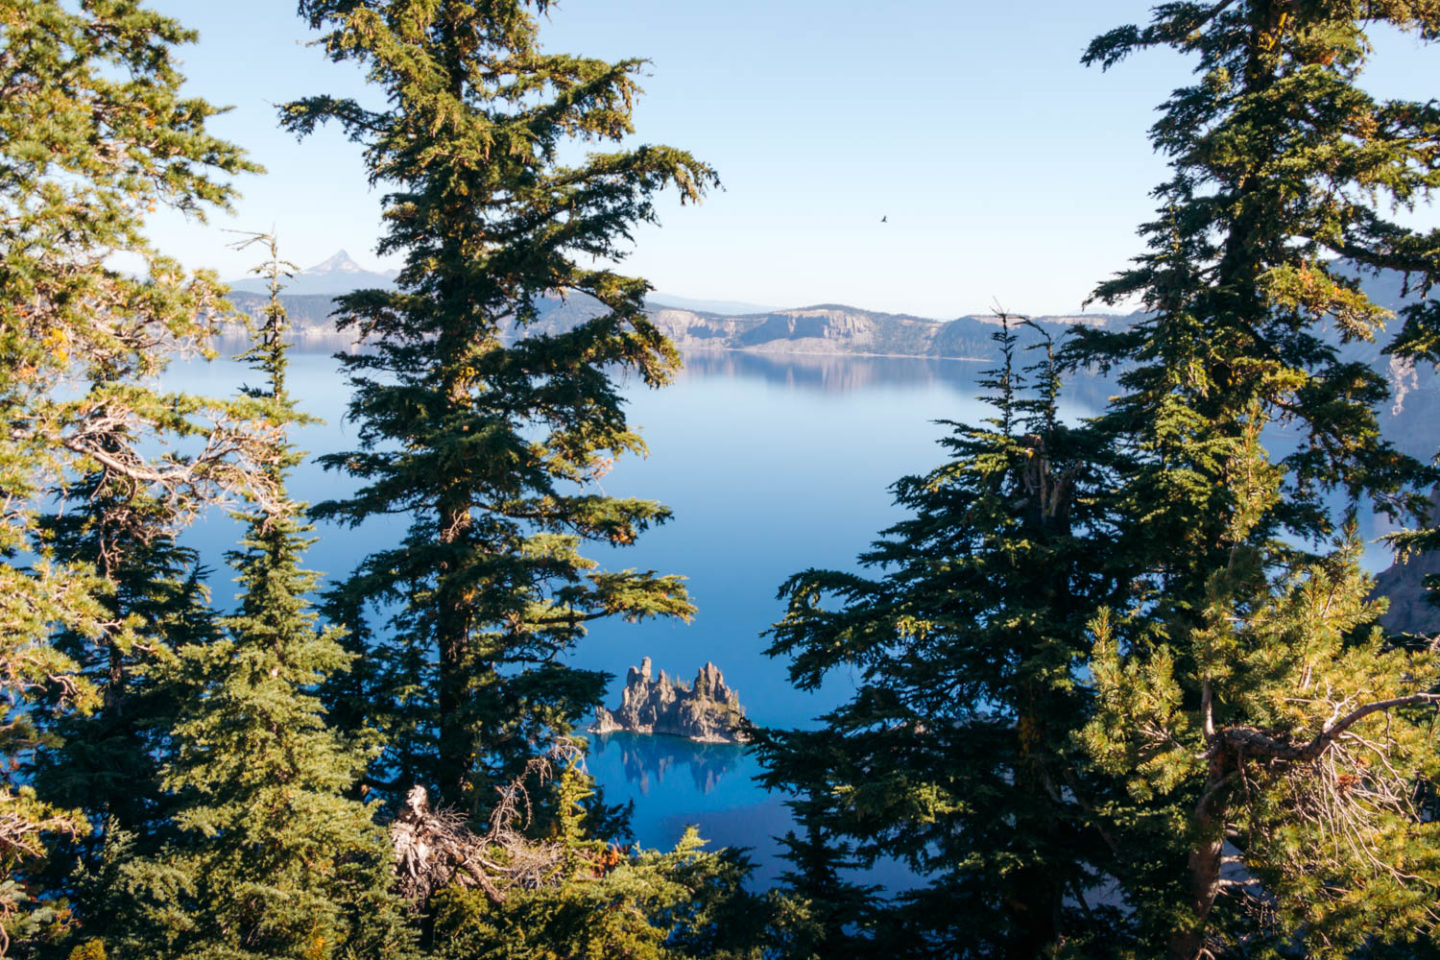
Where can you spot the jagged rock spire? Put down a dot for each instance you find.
(708, 710)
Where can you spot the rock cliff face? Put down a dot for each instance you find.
(823, 330)
(706, 711)
(1404, 584)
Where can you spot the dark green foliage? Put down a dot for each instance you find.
(107, 763)
(265, 854)
(608, 902)
(1246, 699)
(1120, 688)
(94, 134)
(491, 439)
(107, 760)
(1277, 157)
(957, 753)
(820, 912)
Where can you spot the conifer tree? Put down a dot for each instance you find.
(957, 753)
(267, 856)
(107, 762)
(603, 901)
(1271, 740)
(94, 134)
(820, 911)
(493, 445)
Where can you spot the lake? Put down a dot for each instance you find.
(772, 465)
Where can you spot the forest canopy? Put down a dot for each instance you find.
(1121, 684)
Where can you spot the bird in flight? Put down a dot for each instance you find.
(883, 219)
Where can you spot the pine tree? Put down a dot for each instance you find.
(821, 912)
(94, 134)
(1272, 741)
(267, 857)
(957, 752)
(107, 762)
(493, 445)
(602, 901)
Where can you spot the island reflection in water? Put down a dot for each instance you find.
(649, 762)
(675, 783)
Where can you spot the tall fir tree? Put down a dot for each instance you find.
(94, 134)
(491, 435)
(1271, 740)
(106, 763)
(821, 909)
(267, 854)
(957, 754)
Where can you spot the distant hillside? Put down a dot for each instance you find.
(309, 313)
(727, 307)
(837, 329)
(825, 329)
(823, 335)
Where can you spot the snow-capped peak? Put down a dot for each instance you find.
(339, 263)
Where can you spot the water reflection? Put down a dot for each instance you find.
(677, 783)
(772, 464)
(655, 762)
(831, 373)
(1083, 394)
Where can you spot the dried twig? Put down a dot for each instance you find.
(435, 849)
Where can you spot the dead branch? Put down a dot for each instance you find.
(1256, 742)
(435, 849)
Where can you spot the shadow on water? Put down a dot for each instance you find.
(832, 373)
(651, 763)
(772, 464)
(1083, 394)
(675, 783)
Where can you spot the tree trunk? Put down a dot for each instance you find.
(452, 627)
(1034, 908)
(1203, 863)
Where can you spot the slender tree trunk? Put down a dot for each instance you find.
(1035, 896)
(113, 702)
(453, 613)
(1205, 857)
(452, 636)
(1204, 867)
(1034, 907)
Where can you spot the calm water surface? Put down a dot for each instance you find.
(771, 466)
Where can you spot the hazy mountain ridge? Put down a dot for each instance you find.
(1404, 584)
(823, 335)
(824, 329)
(829, 329)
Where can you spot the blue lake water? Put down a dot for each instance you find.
(772, 466)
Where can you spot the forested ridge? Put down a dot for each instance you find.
(1122, 686)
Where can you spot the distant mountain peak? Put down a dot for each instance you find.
(340, 262)
(331, 277)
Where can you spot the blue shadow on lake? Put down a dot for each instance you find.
(675, 783)
(652, 763)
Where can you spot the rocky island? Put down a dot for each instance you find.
(707, 711)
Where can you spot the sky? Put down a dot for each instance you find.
(1006, 173)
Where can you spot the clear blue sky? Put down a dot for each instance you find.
(1008, 172)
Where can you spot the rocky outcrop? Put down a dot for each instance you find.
(1404, 585)
(826, 329)
(707, 711)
